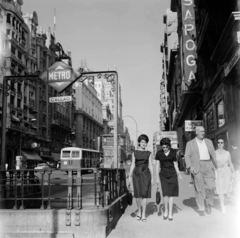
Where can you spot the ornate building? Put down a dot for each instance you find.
(30, 118)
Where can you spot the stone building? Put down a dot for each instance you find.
(30, 118)
(206, 72)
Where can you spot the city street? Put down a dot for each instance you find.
(186, 221)
(59, 189)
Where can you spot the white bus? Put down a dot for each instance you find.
(74, 158)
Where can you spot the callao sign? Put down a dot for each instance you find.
(60, 76)
(189, 46)
(60, 99)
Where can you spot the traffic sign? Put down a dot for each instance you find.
(60, 76)
(60, 99)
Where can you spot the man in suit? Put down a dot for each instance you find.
(200, 159)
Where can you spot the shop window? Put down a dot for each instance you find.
(220, 114)
(210, 122)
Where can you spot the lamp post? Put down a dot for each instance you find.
(72, 133)
(136, 128)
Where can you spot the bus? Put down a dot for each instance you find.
(75, 158)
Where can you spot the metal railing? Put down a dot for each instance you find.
(43, 189)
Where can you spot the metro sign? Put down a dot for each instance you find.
(60, 76)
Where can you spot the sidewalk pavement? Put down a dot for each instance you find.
(187, 223)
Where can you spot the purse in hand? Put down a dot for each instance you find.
(129, 196)
(158, 196)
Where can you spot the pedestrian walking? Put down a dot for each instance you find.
(225, 173)
(166, 162)
(141, 175)
(200, 158)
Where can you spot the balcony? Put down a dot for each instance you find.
(33, 109)
(55, 122)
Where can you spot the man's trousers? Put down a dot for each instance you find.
(204, 183)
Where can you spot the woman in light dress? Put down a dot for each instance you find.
(225, 172)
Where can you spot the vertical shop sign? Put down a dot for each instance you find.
(189, 45)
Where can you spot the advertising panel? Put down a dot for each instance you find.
(172, 135)
(191, 125)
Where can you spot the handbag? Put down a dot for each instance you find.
(129, 196)
(158, 196)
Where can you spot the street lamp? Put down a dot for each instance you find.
(58, 49)
(136, 128)
(72, 133)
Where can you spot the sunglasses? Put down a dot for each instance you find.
(220, 142)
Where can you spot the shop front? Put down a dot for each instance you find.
(222, 113)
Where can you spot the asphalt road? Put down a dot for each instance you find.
(187, 223)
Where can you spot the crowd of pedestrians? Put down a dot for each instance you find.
(212, 173)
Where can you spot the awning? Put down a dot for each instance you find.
(56, 156)
(47, 157)
(31, 155)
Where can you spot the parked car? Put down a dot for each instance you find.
(42, 166)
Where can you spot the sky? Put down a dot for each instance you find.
(125, 34)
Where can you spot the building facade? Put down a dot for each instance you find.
(170, 41)
(207, 69)
(88, 113)
(31, 121)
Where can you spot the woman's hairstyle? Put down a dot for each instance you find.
(143, 137)
(220, 138)
(165, 141)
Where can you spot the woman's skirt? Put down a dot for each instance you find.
(169, 185)
(223, 180)
(141, 182)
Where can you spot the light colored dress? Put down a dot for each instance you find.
(223, 173)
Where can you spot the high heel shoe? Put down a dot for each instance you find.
(165, 217)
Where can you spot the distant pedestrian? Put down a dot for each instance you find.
(200, 158)
(225, 173)
(141, 175)
(166, 161)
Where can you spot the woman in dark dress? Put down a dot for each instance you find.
(169, 173)
(141, 175)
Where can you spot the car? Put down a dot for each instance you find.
(42, 166)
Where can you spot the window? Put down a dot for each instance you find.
(13, 50)
(20, 55)
(19, 103)
(220, 114)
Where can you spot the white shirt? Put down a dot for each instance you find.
(203, 150)
(167, 153)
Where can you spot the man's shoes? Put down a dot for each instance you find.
(201, 213)
(208, 208)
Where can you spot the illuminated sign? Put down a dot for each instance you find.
(189, 46)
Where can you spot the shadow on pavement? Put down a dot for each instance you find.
(151, 208)
(191, 202)
(176, 209)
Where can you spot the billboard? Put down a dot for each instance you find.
(172, 135)
(191, 125)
